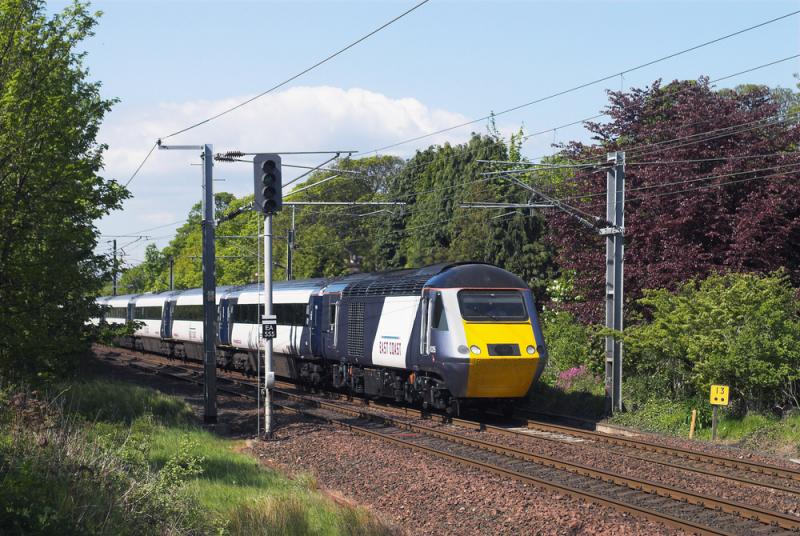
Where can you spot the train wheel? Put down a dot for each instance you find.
(454, 408)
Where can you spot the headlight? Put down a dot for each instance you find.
(531, 349)
(475, 350)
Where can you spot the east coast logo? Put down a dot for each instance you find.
(390, 345)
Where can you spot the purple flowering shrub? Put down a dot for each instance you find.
(578, 379)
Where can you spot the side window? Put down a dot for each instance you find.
(423, 326)
(290, 314)
(439, 316)
(334, 325)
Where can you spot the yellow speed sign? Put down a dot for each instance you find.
(719, 395)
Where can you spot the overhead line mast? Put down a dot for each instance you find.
(209, 280)
(613, 229)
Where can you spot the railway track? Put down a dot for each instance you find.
(746, 472)
(772, 476)
(679, 508)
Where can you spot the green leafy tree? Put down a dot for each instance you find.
(569, 343)
(434, 228)
(741, 330)
(50, 189)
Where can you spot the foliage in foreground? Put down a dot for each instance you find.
(59, 480)
(50, 190)
(741, 330)
(109, 458)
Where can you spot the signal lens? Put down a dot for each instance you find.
(531, 349)
(475, 349)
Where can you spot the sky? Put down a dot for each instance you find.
(174, 63)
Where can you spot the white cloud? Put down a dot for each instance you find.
(297, 119)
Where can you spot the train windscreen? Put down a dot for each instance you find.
(492, 305)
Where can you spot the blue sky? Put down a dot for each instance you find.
(171, 63)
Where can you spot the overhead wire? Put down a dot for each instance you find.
(298, 75)
(715, 159)
(732, 129)
(141, 164)
(671, 95)
(783, 174)
(419, 165)
(273, 88)
(755, 124)
(685, 181)
(586, 84)
(638, 147)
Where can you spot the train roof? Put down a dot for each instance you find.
(297, 284)
(404, 282)
(120, 300)
(410, 282)
(154, 298)
(474, 275)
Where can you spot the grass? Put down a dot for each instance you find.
(755, 431)
(106, 442)
(761, 432)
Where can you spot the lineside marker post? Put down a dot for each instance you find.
(719, 396)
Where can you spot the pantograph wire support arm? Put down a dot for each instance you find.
(567, 209)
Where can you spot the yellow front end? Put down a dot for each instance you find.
(500, 376)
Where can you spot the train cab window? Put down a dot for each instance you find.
(492, 305)
(439, 317)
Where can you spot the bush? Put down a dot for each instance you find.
(570, 344)
(579, 379)
(59, 479)
(740, 330)
(665, 416)
(580, 403)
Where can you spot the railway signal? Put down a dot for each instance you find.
(268, 200)
(267, 179)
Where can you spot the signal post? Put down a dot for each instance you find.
(268, 200)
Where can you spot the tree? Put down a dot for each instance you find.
(50, 189)
(741, 330)
(712, 187)
(336, 240)
(434, 228)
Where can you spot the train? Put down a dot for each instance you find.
(442, 336)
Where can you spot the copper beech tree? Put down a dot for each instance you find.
(713, 185)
